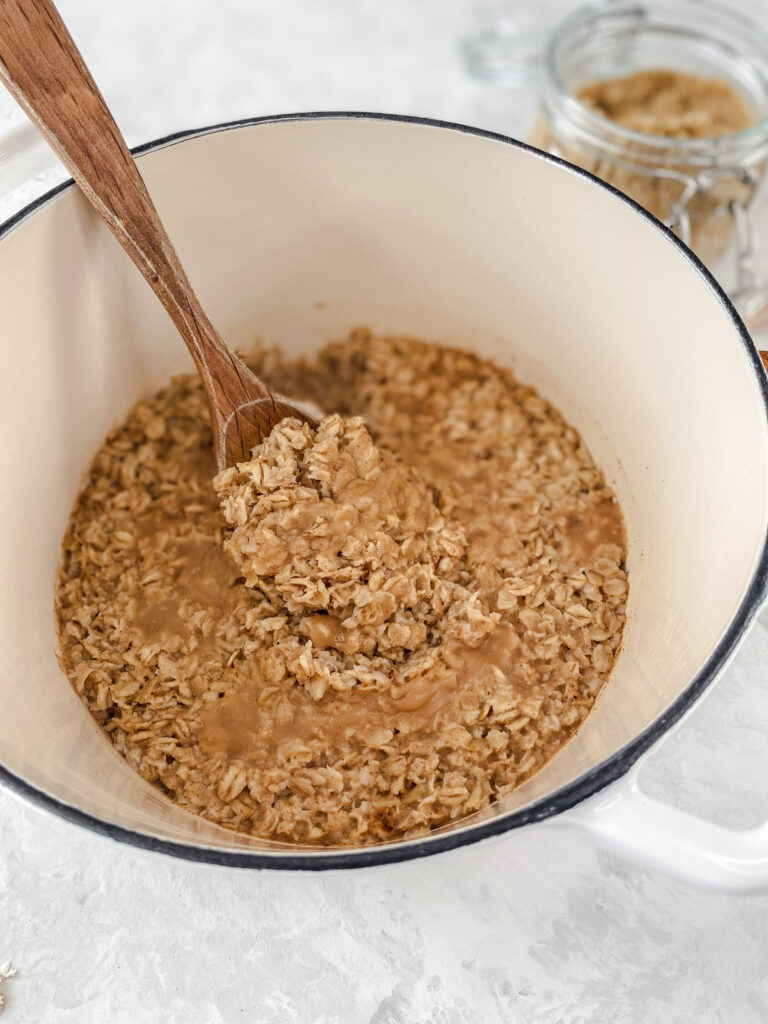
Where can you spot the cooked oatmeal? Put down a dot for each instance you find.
(374, 627)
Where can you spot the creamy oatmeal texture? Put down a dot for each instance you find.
(373, 627)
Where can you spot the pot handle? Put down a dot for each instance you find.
(655, 835)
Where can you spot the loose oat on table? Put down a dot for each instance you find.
(378, 626)
(6, 971)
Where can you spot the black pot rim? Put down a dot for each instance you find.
(568, 796)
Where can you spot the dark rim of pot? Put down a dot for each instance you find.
(568, 796)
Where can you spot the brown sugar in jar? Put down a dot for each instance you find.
(668, 105)
(686, 137)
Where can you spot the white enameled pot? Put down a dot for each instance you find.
(295, 229)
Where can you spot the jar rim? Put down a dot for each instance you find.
(591, 122)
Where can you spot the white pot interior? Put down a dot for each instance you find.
(410, 228)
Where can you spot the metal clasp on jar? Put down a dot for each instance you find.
(749, 282)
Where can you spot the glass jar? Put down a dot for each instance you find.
(703, 188)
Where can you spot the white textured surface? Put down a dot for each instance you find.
(535, 927)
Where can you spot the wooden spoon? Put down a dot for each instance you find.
(43, 69)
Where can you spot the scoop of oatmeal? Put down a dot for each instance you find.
(334, 530)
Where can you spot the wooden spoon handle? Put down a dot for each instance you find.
(42, 67)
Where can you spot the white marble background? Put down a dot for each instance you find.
(535, 927)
